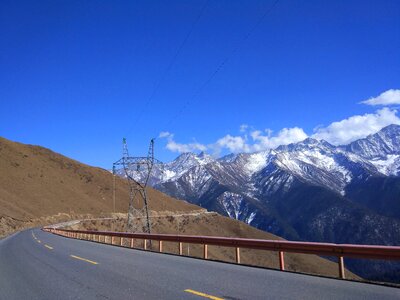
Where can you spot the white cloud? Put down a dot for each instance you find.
(260, 140)
(251, 140)
(356, 127)
(165, 134)
(178, 147)
(182, 148)
(389, 97)
(243, 128)
(284, 137)
(234, 144)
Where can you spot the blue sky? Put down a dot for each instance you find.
(77, 76)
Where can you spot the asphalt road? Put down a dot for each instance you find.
(39, 265)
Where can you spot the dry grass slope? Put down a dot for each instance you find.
(37, 182)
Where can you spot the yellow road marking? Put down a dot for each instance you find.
(84, 259)
(203, 295)
(49, 247)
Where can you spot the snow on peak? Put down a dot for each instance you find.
(379, 145)
(183, 163)
(204, 158)
(316, 161)
(256, 162)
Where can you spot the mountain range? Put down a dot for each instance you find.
(311, 190)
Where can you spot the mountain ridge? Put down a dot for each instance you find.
(326, 185)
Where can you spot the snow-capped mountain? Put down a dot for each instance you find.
(382, 149)
(183, 163)
(202, 179)
(310, 190)
(378, 145)
(315, 162)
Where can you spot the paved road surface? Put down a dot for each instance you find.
(39, 265)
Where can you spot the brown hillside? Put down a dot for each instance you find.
(37, 182)
(39, 186)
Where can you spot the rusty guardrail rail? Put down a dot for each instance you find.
(323, 249)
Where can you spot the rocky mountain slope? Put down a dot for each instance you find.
(310, 190)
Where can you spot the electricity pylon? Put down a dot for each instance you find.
(137, 169)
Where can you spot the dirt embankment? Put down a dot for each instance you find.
(212, 224)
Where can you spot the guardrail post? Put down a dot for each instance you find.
(237, 255)
(281, 261)
(205, 254)
(341, 268)
(160, 246)
(335, 250)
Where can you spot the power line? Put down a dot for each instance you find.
(222, 64)
(170, 65)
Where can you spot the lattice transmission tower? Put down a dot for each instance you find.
(137, 170)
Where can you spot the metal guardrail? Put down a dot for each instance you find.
(323, 249)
